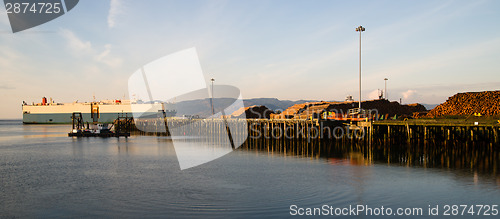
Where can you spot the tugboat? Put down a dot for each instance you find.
(121, 126)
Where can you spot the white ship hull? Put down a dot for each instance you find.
(61, 113)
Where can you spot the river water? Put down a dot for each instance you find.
(44, 173)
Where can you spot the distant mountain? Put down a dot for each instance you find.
(273, 103)
(202, 107)
(430, 106)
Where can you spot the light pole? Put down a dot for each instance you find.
(212, 96)
(385, 91)
(360, 29)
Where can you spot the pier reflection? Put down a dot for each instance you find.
(480, 158)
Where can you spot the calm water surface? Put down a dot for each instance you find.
(44, 173)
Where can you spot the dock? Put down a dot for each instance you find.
(444, 131)
(388, 131)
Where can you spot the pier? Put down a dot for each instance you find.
(412, 142)
(446, 132)
(385, 131)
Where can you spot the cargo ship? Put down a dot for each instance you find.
(50, 112)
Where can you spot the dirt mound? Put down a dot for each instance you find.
(487, 103)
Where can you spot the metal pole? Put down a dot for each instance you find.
(360, 70)
(385, 91)
(212, 96)
(360, 29)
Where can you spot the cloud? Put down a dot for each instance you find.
(84, 48)
(5, 87)
(374, 95)
(75, 43)
(105, 58)
(114, 11)
(408, 94)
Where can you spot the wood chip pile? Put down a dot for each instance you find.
(486, 103)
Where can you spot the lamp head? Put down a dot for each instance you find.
(360, 29)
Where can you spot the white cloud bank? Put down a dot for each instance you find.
(373, 95)
(409, 94)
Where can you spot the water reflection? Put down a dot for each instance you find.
(118, 177)
(478, 158)
(475, 157)
(140, 146)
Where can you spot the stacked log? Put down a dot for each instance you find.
(383, 107)
(252, 112)
(295, 110)
(463, 104)
(418, 115)
(313, 111)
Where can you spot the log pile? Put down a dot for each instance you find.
(418, 115)
(486, 103)
(294, 110)
(252, 112)
(383, 107)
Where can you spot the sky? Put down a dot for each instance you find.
(286, 49)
